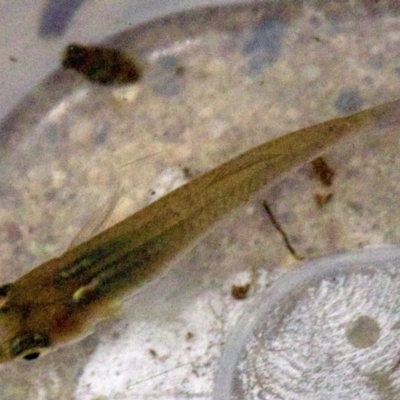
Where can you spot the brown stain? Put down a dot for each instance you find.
(323, 171)
(322, 199)
(240, 292)
(153, 353)
(180, 70)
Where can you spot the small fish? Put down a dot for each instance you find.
(62, 299)
(101, 65)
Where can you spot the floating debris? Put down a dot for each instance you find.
(101, 65)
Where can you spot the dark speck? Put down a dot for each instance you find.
(240, 292)
(153, 353)
(322, 199)
(323, 171)
(349, 101)
(180, 70)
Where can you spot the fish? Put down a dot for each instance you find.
(61, 300)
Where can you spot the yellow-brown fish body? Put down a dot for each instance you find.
(63, 298)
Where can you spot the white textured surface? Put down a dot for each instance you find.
(299, 348)
(175, 359)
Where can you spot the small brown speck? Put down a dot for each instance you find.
(180, 70)
(189, 172)
(321, 199)
(189, 335)
(13, 59)
(323, 171)
(240, 292)
(153, 353)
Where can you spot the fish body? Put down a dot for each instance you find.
(61, 300)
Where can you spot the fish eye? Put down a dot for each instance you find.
(5, 289)
(31, 356)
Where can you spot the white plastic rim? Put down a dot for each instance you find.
(347, 306)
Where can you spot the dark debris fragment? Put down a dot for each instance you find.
(323, 171)
(101, 65)
(240, 292)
